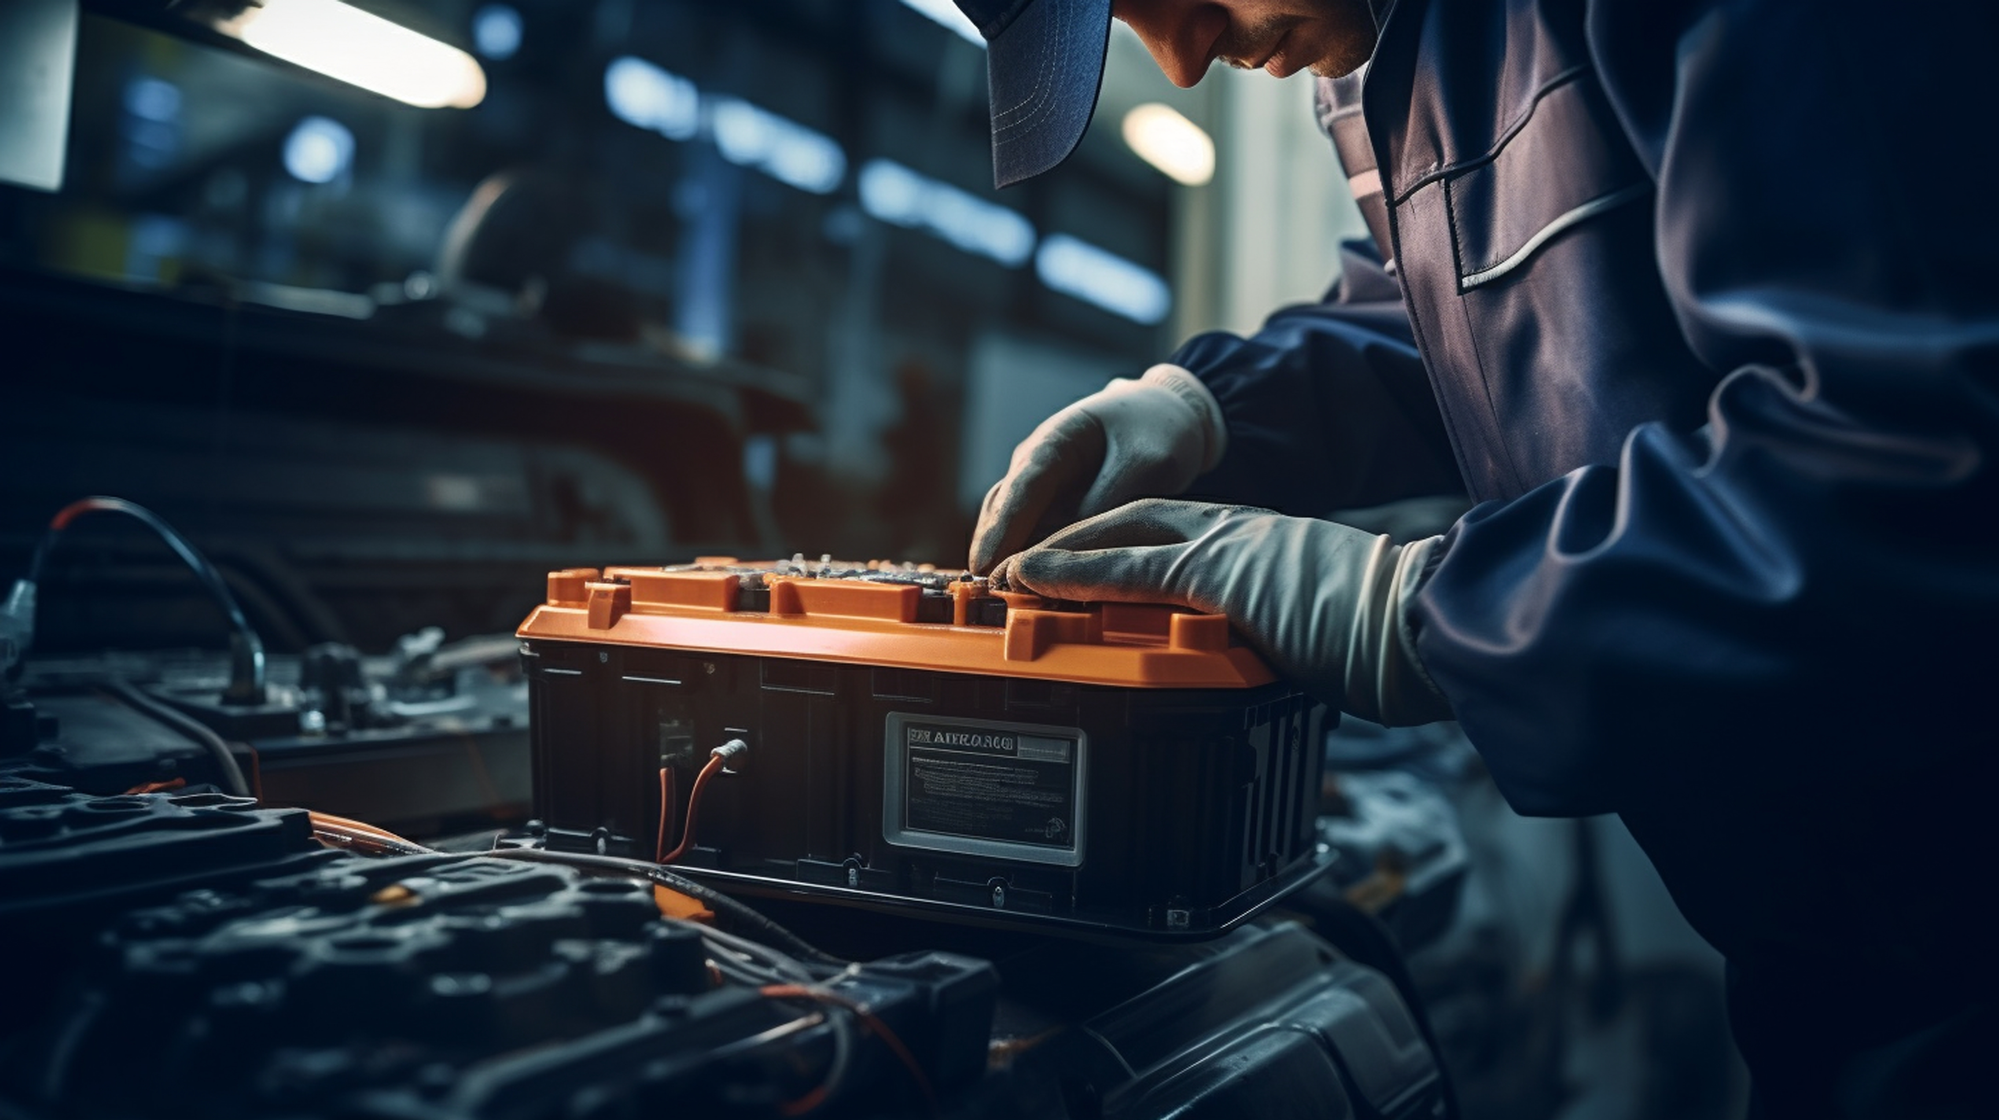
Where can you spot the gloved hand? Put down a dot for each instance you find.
(1136, 438)
(1325, 604)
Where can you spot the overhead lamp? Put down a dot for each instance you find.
(362, 49)
(1170, 142)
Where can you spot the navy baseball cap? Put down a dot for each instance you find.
(1044, 63)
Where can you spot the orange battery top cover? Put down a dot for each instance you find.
(901, 616)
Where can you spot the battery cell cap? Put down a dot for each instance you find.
(607, 603)
(841, 598)
(566, 586)
(697, 591)
(1030, 633)
(1205, 632)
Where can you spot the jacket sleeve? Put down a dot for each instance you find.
(1328, 405)
(1809, 584)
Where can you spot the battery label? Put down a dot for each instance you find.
(985, 788)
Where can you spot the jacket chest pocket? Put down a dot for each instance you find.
(1533, 281)
(1559, 168)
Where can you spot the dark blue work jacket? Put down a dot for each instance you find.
(1700, 300)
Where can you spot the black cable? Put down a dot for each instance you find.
(746, 916)
(225, 759)
(761, 964)
(246, 650)
(785, 940)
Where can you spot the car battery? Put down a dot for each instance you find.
(912, 739)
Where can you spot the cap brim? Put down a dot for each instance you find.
(1043, 73)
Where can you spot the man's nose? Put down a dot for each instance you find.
(1181, 34)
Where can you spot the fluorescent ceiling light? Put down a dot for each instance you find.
(782, 149)
(363, 49)
(1170, 142)
(947, 13)
(645, 96)
(641, 94)
(894, 194)
(1093, 275)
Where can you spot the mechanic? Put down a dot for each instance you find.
(1693, 300)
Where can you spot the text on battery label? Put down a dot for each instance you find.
(941, 778)
(1037, 747)
(925, 736)
(1026, 803)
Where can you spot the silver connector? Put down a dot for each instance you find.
(729, 753)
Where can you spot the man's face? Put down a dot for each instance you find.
(1327, 37)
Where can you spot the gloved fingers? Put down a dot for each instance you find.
(1138, 574)
(1041, 488)
(1325, 604)
(1139, 552)
(1143, 522)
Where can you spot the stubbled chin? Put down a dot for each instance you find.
(1292, 56)
(1341, 56)
(1280, 67)
(1336, 68)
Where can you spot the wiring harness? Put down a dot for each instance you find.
(774, 961)
(17, 616)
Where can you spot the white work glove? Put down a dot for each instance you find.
(1145, 438)
(1326, 604)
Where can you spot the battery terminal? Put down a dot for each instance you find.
(727, 759)
(729, 753)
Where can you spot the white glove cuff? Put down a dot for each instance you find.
(1182, 384)
(1417, 699)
